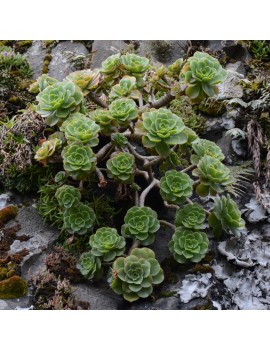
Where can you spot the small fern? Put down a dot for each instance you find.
(241, 174)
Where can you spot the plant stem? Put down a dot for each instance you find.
(134, 245)
(170, 205)
(146, 191)
(137, 155)
(168, 224)
(103, 151)
(101, 179)
(97, 100)
(190, 168)
(164, 101)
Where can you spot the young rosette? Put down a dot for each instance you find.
(79, 219)
(42, 82)
(175, 187)
(86, 79)
(90, 266)
(203, 147)
(191, 216)
(68, 196)
(81, 129)
(46, 150)
(105, 120)
(214, 176)
(107, 244)
(135, 275)
(58, 101)
(188, 245)
(201, 74)
(121, 167)
(123, 110)
(141, 224)
(79, 160)
(162, 130)
(124, 88)
(226, 216)
(134, 64)
(110, 67)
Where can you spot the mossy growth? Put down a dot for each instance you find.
(46, 63)
(8, 213)
(13, 287)
(21, 46)
(201, 268)
(212, 107)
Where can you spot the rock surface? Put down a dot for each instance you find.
(35, 55)
(102, 49)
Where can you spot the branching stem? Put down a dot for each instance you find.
(168, 224)
(146, 191)
(97, 100)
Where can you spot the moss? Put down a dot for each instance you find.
(46, 63)
(13, 99)
(201, 268)
(167, 294)
(21, 46)
(207, 306)
(209, 257)
(8, 213)
(12, 288)
(212, 107)
(6, 42)
(49, 43)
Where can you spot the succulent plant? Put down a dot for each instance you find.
(107, 244)
(175, 68)
(110, 66)
(201, 74)
(86, 79)
(46, 150)
(81, 129)
(105, 120)
(60, 177)
(59, 138)
(123, 110)
(191, 216)
(214, 176)
(68, 196)
(141, 223)
(135, 275)
(124, 88)
(121, 167)
(163, 129)
(135, 64)
(188, 245)
(226, 216)
(119, 140)
(79, 219)
(78, 159)
(204, 147)
(59, 101)
(90, 266)
(42, 82)
(175, 187)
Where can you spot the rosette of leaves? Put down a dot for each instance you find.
(42, 82)
(134, 64)
(60, 177)
(90, 266)
(191, 216)
(175, 68)
(110, 67)
(226, 216)
(46, 150)
(188, 245)
(78, 160)
(121, 167)
(141, 224)
(58, 101)
(204, 147)
(107, 244)
(163, 129)
(86, 79)
(135, 275)
(175, 187)
(81, 129)
(105, 120)
(59, 137)
(79, 219)
(201, 74)
(214, 176)
(68, 196)
(119, 140)
(124, 88)
(123, 110)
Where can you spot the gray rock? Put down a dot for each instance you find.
(231, 87)
(16, 304)
(4, 305)
(197, 303)
(102, 49)
(164, 303)
(232, 49)
(35, 55)
(162, 51)
(59, 66)
(99, 297)
(238, 67)
(42, 237)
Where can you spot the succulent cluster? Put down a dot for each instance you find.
(120, 145)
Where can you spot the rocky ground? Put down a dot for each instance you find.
(236, 272)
